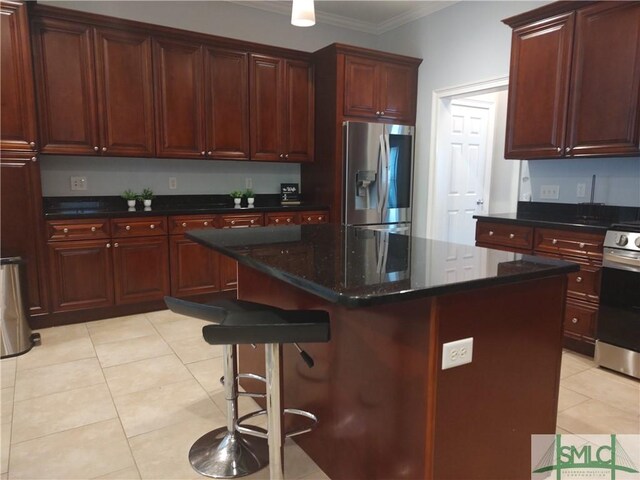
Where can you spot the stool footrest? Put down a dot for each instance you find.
(262, 433)
(251, 376)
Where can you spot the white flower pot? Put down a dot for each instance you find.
(250, 201)
(131, 203)
(237, 201)
(147, 203)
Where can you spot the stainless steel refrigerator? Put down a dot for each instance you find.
(378, 175)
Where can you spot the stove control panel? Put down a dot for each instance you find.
(622, 240)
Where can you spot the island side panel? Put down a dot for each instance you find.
(368, 387)
(487, 410)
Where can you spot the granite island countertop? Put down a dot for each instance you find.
(357, 267)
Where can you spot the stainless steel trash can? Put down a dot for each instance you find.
(15, 333)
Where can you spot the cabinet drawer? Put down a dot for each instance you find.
(240, 221)
(569, 242)
(279, 219)
(179, 225)
(138, 226)
(503, 234)
(585, 284)
(78, 229)
(308, 218)
(580, 319)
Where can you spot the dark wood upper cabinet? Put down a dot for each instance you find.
(282, 109)
(361, 87)
(125, 92)
(17, 115)
(398, 86)
(94, 89)
(604, 111)
(227, 104)
(179, 99)
(574, 87)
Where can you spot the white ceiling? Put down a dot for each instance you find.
(374, 17)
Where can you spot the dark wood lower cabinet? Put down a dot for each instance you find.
(228, 273)
(194, 268)
(81, 275)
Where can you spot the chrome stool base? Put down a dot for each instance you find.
(224, 454)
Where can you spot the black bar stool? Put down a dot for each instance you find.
(240, 322)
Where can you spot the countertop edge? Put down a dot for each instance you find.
(544, 223)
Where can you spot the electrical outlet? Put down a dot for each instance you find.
(457, 353)
(248, 183)
(550, 192)
(78, 183)
(581, 190)
(173, 183)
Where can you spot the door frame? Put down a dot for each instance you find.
(438, 98)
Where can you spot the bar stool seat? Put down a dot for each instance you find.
(241, 322)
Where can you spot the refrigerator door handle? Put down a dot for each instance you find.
(383, 174)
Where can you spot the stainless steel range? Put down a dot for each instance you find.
(618, 333)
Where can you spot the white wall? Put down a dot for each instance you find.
(464, 43)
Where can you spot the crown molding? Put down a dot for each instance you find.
(352, 23)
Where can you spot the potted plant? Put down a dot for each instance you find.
(130, 196)
(237, 197)
(146, 196)
(250, 198)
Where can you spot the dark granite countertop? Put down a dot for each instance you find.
(357, 267)
(59, 208)
(522, 219)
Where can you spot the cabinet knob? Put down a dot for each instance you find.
(320, 218)
(65, 230)
(277, 220)
(582, 244)
(128, 227)
(115, 245)
(203, 153)
(108, 245)
(32, 144)
(152, 226)
(511, 235)
(253, 221)
(104, 149)
(559, 149)
(288, 220)
(567, 150)
(578, 279)
(184, 224)
(491, 233)
(309, 219)
(96, 148)
(93, 229)
(574, 320)
(206, 224)
(282, 155)
(554, 241)
(209, 153)
(378, 113)
(34, 159)
(286, 156)
(233, 222)
(382, 113)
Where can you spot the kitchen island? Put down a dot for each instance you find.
(386, 406)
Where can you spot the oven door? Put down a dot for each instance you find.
(619, 314)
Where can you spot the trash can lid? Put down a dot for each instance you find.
(11, 260)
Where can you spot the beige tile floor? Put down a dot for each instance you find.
(125, 398)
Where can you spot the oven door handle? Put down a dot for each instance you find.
(611, 260)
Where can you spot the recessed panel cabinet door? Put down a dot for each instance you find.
(361, 87)
(179, 96)
(81, 275)
(398, 85)
(65, 87)
(266, 108)
(227, 104)
(17, 115)
(141, 269)
(228, 273)
(125, 92)
(604, 114)
(299, 122)
(194, 268)
(538, 88)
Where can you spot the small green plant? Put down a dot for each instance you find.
(147, 194)
(248, 193)
(129, 195)
(236, 194)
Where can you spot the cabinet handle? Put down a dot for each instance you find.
(65, 230)
(209, 152)
(277, 220)
(115, 245)
(491, 233)
(554, 241)
(567, 150)
(233, 222)
(582, 244)
(253, 221)
(206, 224)
(93, 229)
(559, 149)
(128, 227)
(282, 155)
(574, 320)
(320, 217)
(108, 245)
(202, 153)
(96, 148)
(511, 235)
(184, 224)
(32, 144)
(378, 113)
(34, 159)
(288, 220)
(578, 279)
(286, 156)
(309, 219)
(382, 113)
(152, 226)
(104, 149)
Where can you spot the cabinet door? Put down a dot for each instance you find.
(538, 88)
(227, 104)
(21, 221)
(81, 275)
(361, 87)
(194, 268)
(267, 115)
(125, 92)
(141, 269)
(604, 114)
(299, 121)
(179, 96)
(398, 84)
(17, 115)
(228, 273)
(65, 87)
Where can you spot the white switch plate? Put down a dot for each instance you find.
(457, 353)
(248, 183)
(581, 190)
(550, 192)
(173, 183)
(78, 183)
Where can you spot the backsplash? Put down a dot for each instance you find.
(617, 180)
(111, 176)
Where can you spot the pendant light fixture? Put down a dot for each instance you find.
(303, 13)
